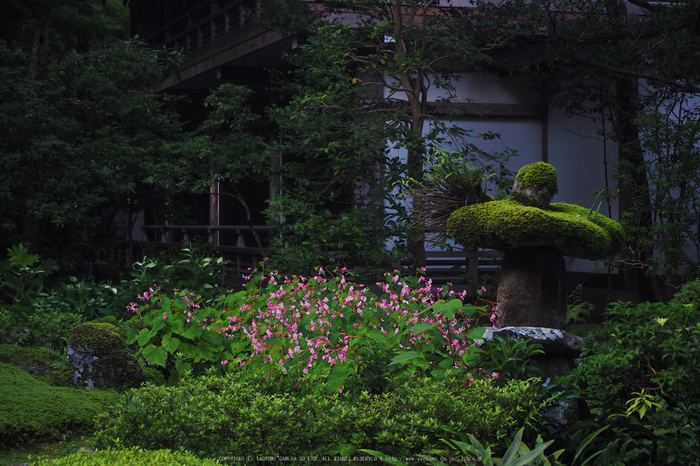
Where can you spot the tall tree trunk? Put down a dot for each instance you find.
(39, 58)
(635, 197)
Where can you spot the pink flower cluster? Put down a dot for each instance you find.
(317, 318)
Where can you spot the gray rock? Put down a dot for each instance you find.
(554, 341)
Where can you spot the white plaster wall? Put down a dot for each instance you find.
(577, 152)
(574, 146)
(480, 88)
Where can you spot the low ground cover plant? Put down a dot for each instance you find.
(33, 410)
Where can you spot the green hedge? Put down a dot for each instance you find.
(222, 417)
(131, 457)
(33, 410)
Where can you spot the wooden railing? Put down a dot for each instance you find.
(243, 253)
(202, 24)
(465, 270)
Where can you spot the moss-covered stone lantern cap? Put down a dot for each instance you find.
(519, 222)
(535, 185)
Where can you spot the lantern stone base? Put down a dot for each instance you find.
(532, 288)
(560, 350)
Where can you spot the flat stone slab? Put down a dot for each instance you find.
(554, 341)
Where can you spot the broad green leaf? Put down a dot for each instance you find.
(178, 326)
(336, 378)
(170, 344)
(187, 350)
(476, 333)
(155, 355)
(452, 307)
(422, 327)
(165, 304)
(377, 336)
(157, 325)
(405, 356)
(143, 337)
(183, 368)
(204, 350)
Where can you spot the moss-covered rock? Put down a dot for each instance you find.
(504, 225)
(101, 358)
(538, 174)
(535, 185)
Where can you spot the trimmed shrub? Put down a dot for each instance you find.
(689, 294)
(33, 410)
(131, 457)
(239, 416)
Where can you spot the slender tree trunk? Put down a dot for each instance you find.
(416, 94)
(634, 187)
(39, 57)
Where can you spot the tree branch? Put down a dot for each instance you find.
(636, 74)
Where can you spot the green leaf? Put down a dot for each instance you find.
(452, 307)
(336, 378)
(165, 304)
(405, 356)
(204, 350)
(183, 368)
(170, 344)
(155, 355)
(177, 326)
(513, 449)
(187, 350)
(143, 337)
(422, 327)
(585, 443)
(476, 333)
(377, 336)
(159, 324)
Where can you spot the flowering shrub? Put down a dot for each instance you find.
(322, 328)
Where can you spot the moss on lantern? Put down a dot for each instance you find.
(516, 223)
(540, 174)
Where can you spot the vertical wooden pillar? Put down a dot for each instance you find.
(214, 236)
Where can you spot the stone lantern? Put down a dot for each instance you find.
(535, 235)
